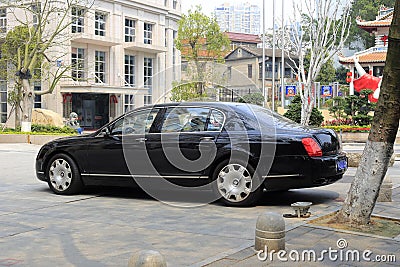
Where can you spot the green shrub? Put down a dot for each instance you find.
(254, 98)
(43, 129)
(294, 113)
(350, 128)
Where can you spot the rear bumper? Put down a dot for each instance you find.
(310, 172)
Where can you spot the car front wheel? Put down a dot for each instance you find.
(234, 184)
(63, 175)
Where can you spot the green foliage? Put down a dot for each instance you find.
(52, 129)
(359, 108)
(340, 75)
(255, 98)
(43, 129)
(198, 33)
(186, 91)
(367, 10)
(294, 113)
(327, 73)
(350, 128)
(337, 108)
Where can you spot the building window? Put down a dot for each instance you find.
(3, 20)
(174, 3)
(148, 33)
(38, 98)
(100, 67)
(3, 101)
(130, 70)
(129, 103)
(130, 30)
(147, 100)
(166, 37)
(148, 73)
(36, 10)
(250, 71)
(165, 2)
(174, 54)
(78, 64)
(78, 19)
(100, 23)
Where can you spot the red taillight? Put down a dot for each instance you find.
(312, 147)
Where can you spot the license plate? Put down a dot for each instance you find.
(341, 165)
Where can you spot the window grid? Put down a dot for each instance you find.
(147, 100)
(3, 20)
(148, 73)
(100, 23)
(148, 33)
(129, 103)
(35, 14)
(100, 67)
(130, 30)
(250, 71)
(130, 71)
(78, 64)
(78, 20)
(38, 98)
(3, 101)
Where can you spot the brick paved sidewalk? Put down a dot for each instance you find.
(306, 237)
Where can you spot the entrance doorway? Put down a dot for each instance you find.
(92, 109)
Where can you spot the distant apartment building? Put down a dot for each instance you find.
(241, 18)
(122, 55)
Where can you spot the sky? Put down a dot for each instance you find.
(209, 5)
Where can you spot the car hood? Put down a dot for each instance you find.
(68, 139)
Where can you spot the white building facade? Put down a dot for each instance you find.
(122, 55)
(240, 18)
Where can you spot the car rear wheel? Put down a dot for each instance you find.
(63, 175)
(234, 184)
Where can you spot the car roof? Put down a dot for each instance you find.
(200, 104)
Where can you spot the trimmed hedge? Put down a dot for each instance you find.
(350, 128)
(42, 129)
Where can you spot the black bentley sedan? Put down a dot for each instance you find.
(235, 149)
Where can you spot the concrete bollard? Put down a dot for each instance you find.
(147, 258)
(385, 193)
(270, 232)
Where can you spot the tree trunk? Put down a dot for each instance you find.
(306, 106)
(200, 75)
(364, 190)
(17, 109)
(28, 100)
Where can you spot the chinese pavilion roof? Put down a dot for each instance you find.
(375, 54)
(384, 19)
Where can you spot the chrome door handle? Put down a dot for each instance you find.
(207, 138)
(141, 140)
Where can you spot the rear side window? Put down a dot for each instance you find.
(216, 120)
(185, 119)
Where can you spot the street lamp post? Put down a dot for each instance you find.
(273, 54)
(283, 56)
(263, 57)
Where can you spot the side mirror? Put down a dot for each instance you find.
(105, 132)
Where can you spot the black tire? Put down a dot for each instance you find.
(63, 175)
(237, 199)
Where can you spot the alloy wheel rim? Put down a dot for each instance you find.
(234, 182)
(60, 174)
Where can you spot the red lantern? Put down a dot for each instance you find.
(349, 76)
